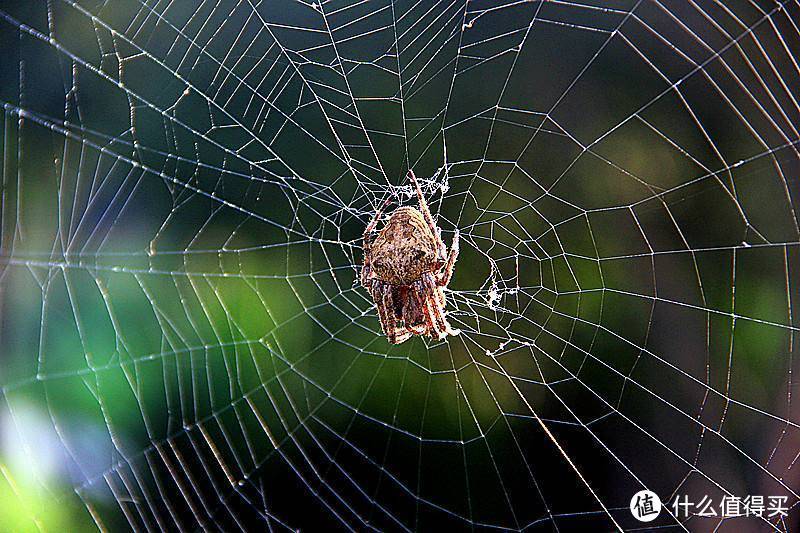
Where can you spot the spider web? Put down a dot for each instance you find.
(184, 187)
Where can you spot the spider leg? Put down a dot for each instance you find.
(431, 327)
(375, 218)
(387, 306)
(378, 293)
(413, 312)
(426, 213)
(443, 278)
(396, 334)
(418, 329)
(436, 307)
(403, 336)
(365, 272)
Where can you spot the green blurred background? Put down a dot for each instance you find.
(184, 187)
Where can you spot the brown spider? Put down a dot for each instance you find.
(405, 271)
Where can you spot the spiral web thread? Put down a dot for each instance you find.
(183, 194)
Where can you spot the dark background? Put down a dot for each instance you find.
(184, 186)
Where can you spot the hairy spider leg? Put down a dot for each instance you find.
(444, 277)
(425, 306)
(418, 329)
(430, 296)
(430, 286)
(376, 292)
(412, 313)
(426, 214)
(383, 301)
(386, 309)
(439, 293)
(403, 337)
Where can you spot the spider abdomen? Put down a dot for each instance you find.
(405, 249)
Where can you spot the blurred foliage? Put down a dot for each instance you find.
(178, 273)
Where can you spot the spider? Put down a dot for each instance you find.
(405, 271)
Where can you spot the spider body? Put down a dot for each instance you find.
(404, 249)
(406, 268)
